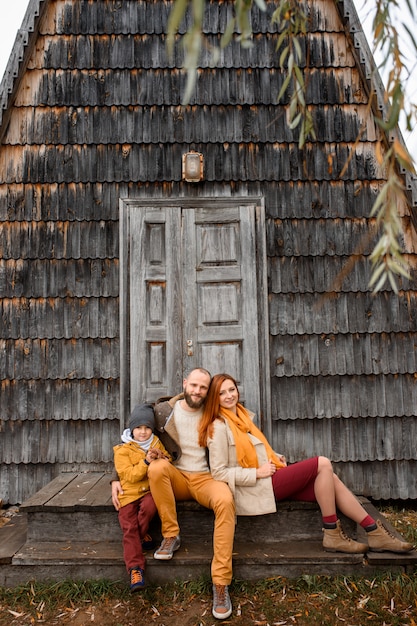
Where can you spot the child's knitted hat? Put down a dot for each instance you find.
(142, 415)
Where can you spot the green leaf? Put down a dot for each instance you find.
(297, 48)
(392, 281)
(283, 56)
(399, 269)
(190, 85)
(261, 4)
(376, 274)
(246, 43)
(300, 77)
(379, 200)
(290, 63)
(176, 14)
(281, 38)
(294, 123)
(284, 87)
(293, 108)
(381, 283)
(215, 57)
(379, 250)
(198, 11)
(411, 35)
(302, 137)
(228, 33)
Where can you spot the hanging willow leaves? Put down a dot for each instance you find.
(386, 257)
(291, 22)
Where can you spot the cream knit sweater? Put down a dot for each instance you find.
(193, 457)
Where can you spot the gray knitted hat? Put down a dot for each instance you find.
(142, 415)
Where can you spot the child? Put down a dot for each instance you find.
(131, 459)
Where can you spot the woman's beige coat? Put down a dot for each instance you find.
(252, 496)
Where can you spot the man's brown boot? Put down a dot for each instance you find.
(381, 539)
(335, 540)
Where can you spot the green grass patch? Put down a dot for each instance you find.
(62, 593)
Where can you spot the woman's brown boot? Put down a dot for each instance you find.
(381, 539)
(335, 540)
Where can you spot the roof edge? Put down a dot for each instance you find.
(20, 53)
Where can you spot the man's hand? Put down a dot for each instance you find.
(155, 453)
(116, 491)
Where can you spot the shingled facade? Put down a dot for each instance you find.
(92, 120)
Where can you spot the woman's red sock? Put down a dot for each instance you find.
(368, 523)
(329, 521)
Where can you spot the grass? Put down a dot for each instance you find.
(62, 593)
(403, 520)
(388, 599)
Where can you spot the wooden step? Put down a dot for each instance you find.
(12, 537)
(251, 561)
(70, 530)
(53, 560)
(78, 507)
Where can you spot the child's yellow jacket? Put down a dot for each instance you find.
(129, 461)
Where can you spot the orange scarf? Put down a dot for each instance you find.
(240, 425)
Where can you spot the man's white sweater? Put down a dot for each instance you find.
(193, 456)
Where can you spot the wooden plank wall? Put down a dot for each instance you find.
(97, 116)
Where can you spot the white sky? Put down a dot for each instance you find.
(11, 17)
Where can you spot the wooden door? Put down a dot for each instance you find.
(193, 293)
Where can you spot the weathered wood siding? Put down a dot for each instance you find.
(94, 114)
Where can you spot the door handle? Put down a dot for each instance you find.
(190, 348)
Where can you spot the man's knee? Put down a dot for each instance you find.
(223, 497)
(158, 468)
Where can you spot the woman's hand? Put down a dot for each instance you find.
(266, 470)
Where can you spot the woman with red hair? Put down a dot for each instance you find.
(258, 477)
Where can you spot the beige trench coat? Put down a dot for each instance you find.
(252, 496)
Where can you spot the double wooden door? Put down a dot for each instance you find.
(193, 281)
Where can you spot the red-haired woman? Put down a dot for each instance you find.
(241, 456)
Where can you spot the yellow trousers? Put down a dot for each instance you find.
(169, 484)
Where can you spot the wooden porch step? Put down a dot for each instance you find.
(12, 537)
(70, 530)
(78, 507)
(251, 561)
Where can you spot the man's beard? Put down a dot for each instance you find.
(191, 403)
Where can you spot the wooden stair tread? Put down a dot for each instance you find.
(12, 537)
(110, 552)
(200, 552)
(41, 497)
(69, 552)
(73, 491)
